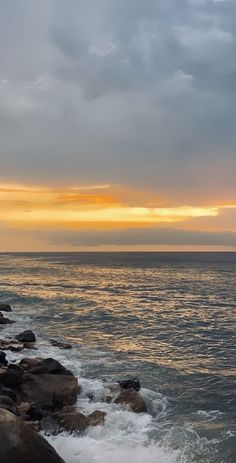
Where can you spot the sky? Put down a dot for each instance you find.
(117, 125)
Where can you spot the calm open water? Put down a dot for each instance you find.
(168, 318)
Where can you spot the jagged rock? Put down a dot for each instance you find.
(133, 399)
(5, 308)
(61, 389)
(60, 344)
(19, 443)
(96, 418)
(8, 404)
(132, 383)
(12, 376)
(50, 366)
(3, 360)
(26, 336)
(72, 422)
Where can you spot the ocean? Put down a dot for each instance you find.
(167, 318)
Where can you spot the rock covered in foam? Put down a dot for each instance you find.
(19, 443)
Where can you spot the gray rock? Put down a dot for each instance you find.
(19, 443)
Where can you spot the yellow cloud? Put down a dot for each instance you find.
(101, 205)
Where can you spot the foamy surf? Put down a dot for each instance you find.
(126, 436)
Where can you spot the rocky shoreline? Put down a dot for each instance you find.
(39, 394)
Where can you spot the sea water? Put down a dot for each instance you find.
(167, 318)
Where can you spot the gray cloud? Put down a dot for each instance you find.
(136, 92)
(135, 237)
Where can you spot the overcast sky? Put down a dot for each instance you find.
(140, 94)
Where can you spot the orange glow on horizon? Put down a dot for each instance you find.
(100, 206)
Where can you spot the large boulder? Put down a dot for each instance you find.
(19, 443)
(26, 336)
(50, 366)
(61, 389)
(5, 308)
(133, 399)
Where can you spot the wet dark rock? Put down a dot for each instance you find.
(132, 383)
(50, 366)
(19, 443)
(8, 404)
(5, 321)
(24, 408)
(60, 344)
(40, 410)
(29, 345)
(26, 336)
(15, 348)
(97, 418)
(61, 389)
(11, 377)
(133, 399)
(72, 422)
(3, 360)
(10, 393)
(28, 363)
(5, 308)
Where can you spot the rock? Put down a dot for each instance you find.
(19, 443)
(40, 410)
(24, 407)
(28, 363)
(96, 418)
(8, 404)
(15, 348)
(12, 376)
(5, 308)
(34, 425)
(10, 393)
(72, 422)
(6, 321)
(29, 345)
(60, 344)
(133, 383)
(62, 390)
(50, 366)
(3, 360)
(26, 336)
(133, 399)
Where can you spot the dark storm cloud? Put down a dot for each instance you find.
(119, 91)
(135, 237)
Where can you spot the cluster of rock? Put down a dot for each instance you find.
(40, 394)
